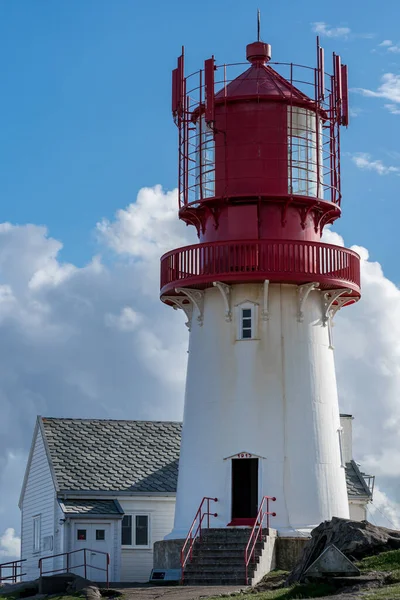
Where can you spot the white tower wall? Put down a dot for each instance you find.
(274, 397)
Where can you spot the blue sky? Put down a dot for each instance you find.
(85, 104)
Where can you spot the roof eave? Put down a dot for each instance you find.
(361, 478)
(63, 494)
(48, 453)
(28, 464)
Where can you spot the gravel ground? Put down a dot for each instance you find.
(176, 592)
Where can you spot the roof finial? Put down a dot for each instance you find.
(258, 24)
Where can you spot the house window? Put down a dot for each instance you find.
(247, 317)
(37, 532)
(135, 531)
(81, 535)
(100, 535)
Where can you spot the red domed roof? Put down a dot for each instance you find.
(261, 80)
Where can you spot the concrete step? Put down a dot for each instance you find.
(207, 546)
(238, 537)
(215, 581)
(193, 569)
(219, 560)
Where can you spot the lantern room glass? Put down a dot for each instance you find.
(305, 160)
(205, 160)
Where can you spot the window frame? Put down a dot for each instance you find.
(253, 321)
(133, 544)
(305, 143)
(37, 533)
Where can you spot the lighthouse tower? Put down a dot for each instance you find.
(259, 179)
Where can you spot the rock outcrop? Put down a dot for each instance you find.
(356, 539)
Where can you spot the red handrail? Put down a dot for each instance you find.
(85, 564)
(191, 537)
(256, 532)
(16, 570)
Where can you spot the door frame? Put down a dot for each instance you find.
(239, 455)
(82, 523)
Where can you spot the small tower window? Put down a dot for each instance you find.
(246, 321)
(247, 326)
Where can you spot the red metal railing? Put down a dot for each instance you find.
(256, 260)
(197, 177)
(14, 570)
(256, 532)
(195, 531)
(68, 567)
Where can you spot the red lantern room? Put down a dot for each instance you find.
(259, 174)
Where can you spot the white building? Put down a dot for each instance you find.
(110, 486)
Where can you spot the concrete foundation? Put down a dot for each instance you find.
(282, 553)
(167, 554)
(289, 551)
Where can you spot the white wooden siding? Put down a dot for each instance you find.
(358, 511)
(136, 564)
(39, 499)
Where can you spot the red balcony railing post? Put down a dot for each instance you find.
(278, 261)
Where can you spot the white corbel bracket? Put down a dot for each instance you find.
(265, 308)
(329, 309)
(225, 291)
(196, 297)
(182, 303)
(303, 292)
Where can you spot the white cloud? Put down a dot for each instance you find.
(147, 227)
(395, 110)
(383, 511)
(10, 544)
(127, 320)
(389, 89)
(322, 28)
(364, 161)
(390, 46)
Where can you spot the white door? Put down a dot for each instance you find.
(96, 539)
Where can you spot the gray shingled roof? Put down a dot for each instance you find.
(131, 456)
(91, 507)
(356, 486)
(105, 455)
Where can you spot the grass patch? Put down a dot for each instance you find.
(389, 592)
(298, 591)
(386, 561)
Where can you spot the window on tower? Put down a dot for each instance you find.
(247, 321)
(205, 160)
(305, 160)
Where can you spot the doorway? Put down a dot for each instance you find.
(97, 539)
(244, 490)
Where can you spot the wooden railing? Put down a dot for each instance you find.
(11, 571)
(276, 260)
(69, 567)
(195, 531)
(256, 532)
